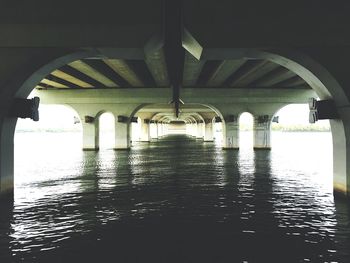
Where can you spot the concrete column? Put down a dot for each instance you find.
(154, 127)
(164, 129)
(200, 130)
(145, 130)
(262, 132)
(159, 129)
(341, 150)
(194, 129)
(122, 136)
(208, 131)
(191, 129)
(7, 131)
(188, 131)
(90, 135)
(231, 133)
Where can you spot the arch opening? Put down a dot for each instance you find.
(246, 125)
(309, 144)
(161, 120)
(58, 130)
(106, 132)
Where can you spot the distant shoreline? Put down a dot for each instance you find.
(280, 129)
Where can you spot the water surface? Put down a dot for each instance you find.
(174, 200)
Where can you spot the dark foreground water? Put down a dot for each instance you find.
(175, 200)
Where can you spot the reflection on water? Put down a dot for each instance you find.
(174, 200)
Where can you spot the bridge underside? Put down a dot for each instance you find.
(168, 62)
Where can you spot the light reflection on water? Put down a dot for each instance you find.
(177, 197)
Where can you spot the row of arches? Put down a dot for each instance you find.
(208, 130)
(324, 84)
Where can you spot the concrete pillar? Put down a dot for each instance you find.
(208, 130)
(154, 129)
(200, 130)
(341, 156)
(262, 132)
(191, 129)
(165, 128)
(122, 136)
(90, 134)
(7, 158)
(188, 129)
(145, 130)
(159, 129)
(231, 133)
(194, 129)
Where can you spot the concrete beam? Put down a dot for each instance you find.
(108, 73)
(227, 68)
(62, 75)
(105, 96)
(192, 70)
(55, 76)
(291, 82)
(248, 68)
(155, 61)
(224, 95)
(161, 95)
(274, 77)
(88, 81)
(259, 72)
(88, 70)
(122, 69)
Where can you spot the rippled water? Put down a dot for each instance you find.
(174, 200)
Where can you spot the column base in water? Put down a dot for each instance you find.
(90, 149)
(230, 148)
(121, 149)
(262, 147)
(340, 192)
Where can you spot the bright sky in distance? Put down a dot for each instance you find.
(62, 117)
